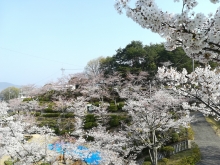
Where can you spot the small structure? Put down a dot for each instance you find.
(90, 108)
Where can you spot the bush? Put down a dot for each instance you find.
(115, 120)
(51, 115)
(8, 162)
(45, 164)
(67, 115)
(113, 107)
(89, 138)
(120, 105)
(175, 137)
(165, 160)
(90, 118)
(167, 151)
(147, 163)
(27, 99)
(90, 121)
(96, 104)
(36, 114)
(193, 159)
(49, 110)
(90, 125)
(190, 133)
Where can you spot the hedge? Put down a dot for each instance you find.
(90, 125)
(113, 107)
(115, 120)
(67, 115)
(90, 121)
(49, 110)
(51, 114)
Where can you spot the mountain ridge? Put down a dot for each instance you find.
(4, 85)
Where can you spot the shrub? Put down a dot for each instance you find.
(115, 120)
(49, 110)
(120, 105)
(67, 115)
(27, 99)
(45, 164)
(147, 163)
(190, 133)
(96, 104)
(175, 137)
(113, 107)
(90, 118)
(90, 121)
(167, 150)
(8, 162)
(36, 114)
(89, 125)
(165, 160)
(193, 159)
(89, 138)
(51, 115)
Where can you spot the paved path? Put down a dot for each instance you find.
(207, 140)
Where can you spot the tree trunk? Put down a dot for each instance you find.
(153, 155)
(153, 150)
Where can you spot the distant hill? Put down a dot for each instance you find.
(4, 85)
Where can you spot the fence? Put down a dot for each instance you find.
(178, 147)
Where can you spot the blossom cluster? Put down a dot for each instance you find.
(196, 33)
(203, 84)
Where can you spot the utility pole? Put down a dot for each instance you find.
(9, 94)
(62, 71)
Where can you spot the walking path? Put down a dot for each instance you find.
(207, 140)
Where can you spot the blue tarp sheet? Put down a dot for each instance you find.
(93, 159)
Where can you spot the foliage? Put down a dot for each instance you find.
(165, 161)
(175, 137)
(67, 115)
(27, 99)
(10, 93)
(190, 133)
(92, 69)
(115, 120)
(136, 57)
(113, 107)
(50, 114)
(179, 30)
(193, 159)
(90, 121)
(200, 85)
(49, 110)
(147, 163)
(120, 105)
(152, 120)
(167, 151)
(8, 162)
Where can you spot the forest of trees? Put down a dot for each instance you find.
(136, 57)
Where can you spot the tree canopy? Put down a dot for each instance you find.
(10, 93)
(136, 57)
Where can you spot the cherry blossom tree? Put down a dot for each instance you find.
(152, 120)
(203, 85)
(196, 33)
(13, 143)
